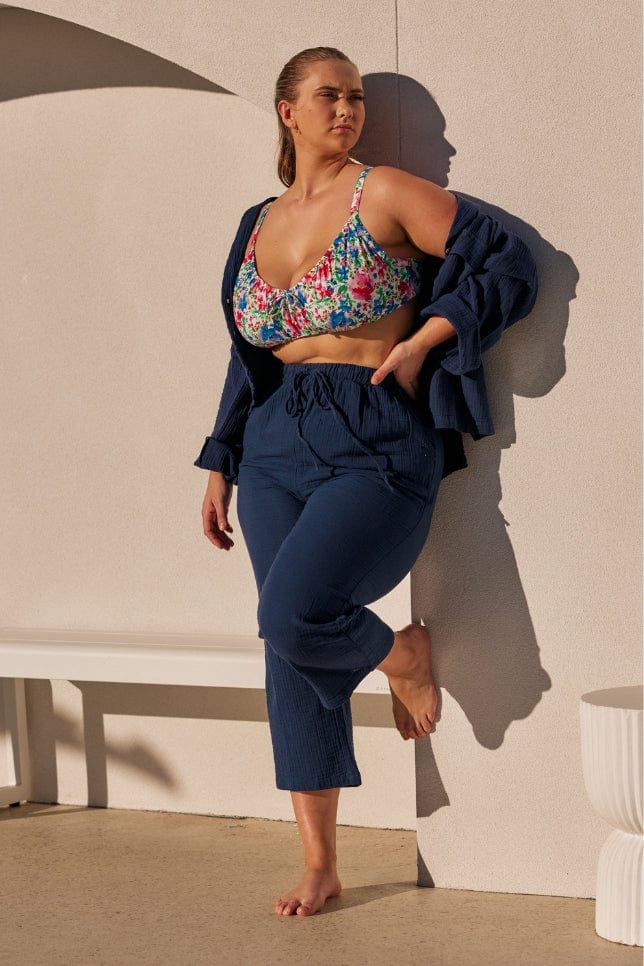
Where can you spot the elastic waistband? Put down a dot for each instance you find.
(319, 390)
(335, 370)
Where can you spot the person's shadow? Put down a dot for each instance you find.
(466, 585)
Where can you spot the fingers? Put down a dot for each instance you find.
(214, 511)
(215, 522)
(222, 515)
(380, 374)
(410, 388)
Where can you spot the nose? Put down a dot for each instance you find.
(344, 108)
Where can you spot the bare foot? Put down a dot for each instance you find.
(404, 721)
(310, 893)
(413, 693)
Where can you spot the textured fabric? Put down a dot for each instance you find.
(354, 282)
(487, 282)
(337, 486)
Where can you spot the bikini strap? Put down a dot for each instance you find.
(357, 194)
(258, 226)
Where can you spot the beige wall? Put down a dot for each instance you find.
(122, 186)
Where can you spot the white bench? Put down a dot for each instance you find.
(190, 659)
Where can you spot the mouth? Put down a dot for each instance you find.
(343, 127)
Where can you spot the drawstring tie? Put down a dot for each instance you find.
(297, 405)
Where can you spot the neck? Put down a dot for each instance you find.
(313, 174)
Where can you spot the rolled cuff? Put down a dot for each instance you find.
(215, 455)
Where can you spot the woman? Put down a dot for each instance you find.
(345, 399)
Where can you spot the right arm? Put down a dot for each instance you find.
(214, 511)
(221, 452)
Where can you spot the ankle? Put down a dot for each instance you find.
(397, 660)
(321, 862)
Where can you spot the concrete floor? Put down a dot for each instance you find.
(86, 886)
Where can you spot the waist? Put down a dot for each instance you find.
(337, 370)
(368, 344)
(292, 374)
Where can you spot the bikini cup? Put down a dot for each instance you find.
(355, 281)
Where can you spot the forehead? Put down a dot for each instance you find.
(332, 73)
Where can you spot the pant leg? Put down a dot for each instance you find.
(359, 539)
(351, 544)
(312, 745)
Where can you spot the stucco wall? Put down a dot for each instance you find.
(137, 134)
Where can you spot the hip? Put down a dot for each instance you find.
(329, 415)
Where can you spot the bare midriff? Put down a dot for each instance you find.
(366, 345)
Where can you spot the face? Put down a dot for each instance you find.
(329, 110)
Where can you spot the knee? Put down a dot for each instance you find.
(280, 626)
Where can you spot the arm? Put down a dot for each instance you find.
(221, 453)
(487, 280)
(221, 450)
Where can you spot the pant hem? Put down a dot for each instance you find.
(321, 786)
(354, 679)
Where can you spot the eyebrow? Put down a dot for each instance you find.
(329, 87)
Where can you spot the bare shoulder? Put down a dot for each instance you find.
(390, 183)
(422, 208)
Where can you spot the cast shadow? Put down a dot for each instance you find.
(55, 731)
(41, 54)
(466, 584)
(364, 895)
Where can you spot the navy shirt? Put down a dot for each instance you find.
(486, 282)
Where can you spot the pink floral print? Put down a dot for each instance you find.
(355, 281)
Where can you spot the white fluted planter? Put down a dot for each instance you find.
(611, 749)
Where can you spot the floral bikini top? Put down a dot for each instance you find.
(355, 281)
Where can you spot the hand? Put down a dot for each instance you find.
(405, 361)
(214, 510)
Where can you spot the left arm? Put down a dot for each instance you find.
(425, 213)
(487, 281)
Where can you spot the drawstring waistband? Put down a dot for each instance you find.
(298, 401)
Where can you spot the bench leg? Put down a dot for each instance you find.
(15, 779)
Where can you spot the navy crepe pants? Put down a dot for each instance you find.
(336, 489)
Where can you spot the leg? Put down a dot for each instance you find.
(312, 745)
(352, 543)
(316, 814)
(322, 753)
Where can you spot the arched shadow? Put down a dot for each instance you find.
(45, 55)
(466, 584)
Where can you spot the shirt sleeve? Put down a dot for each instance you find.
(487, 282)
(222, 450)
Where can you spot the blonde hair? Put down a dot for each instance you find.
(290, 78)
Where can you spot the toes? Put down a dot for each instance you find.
(284, 907)
(304, 909)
